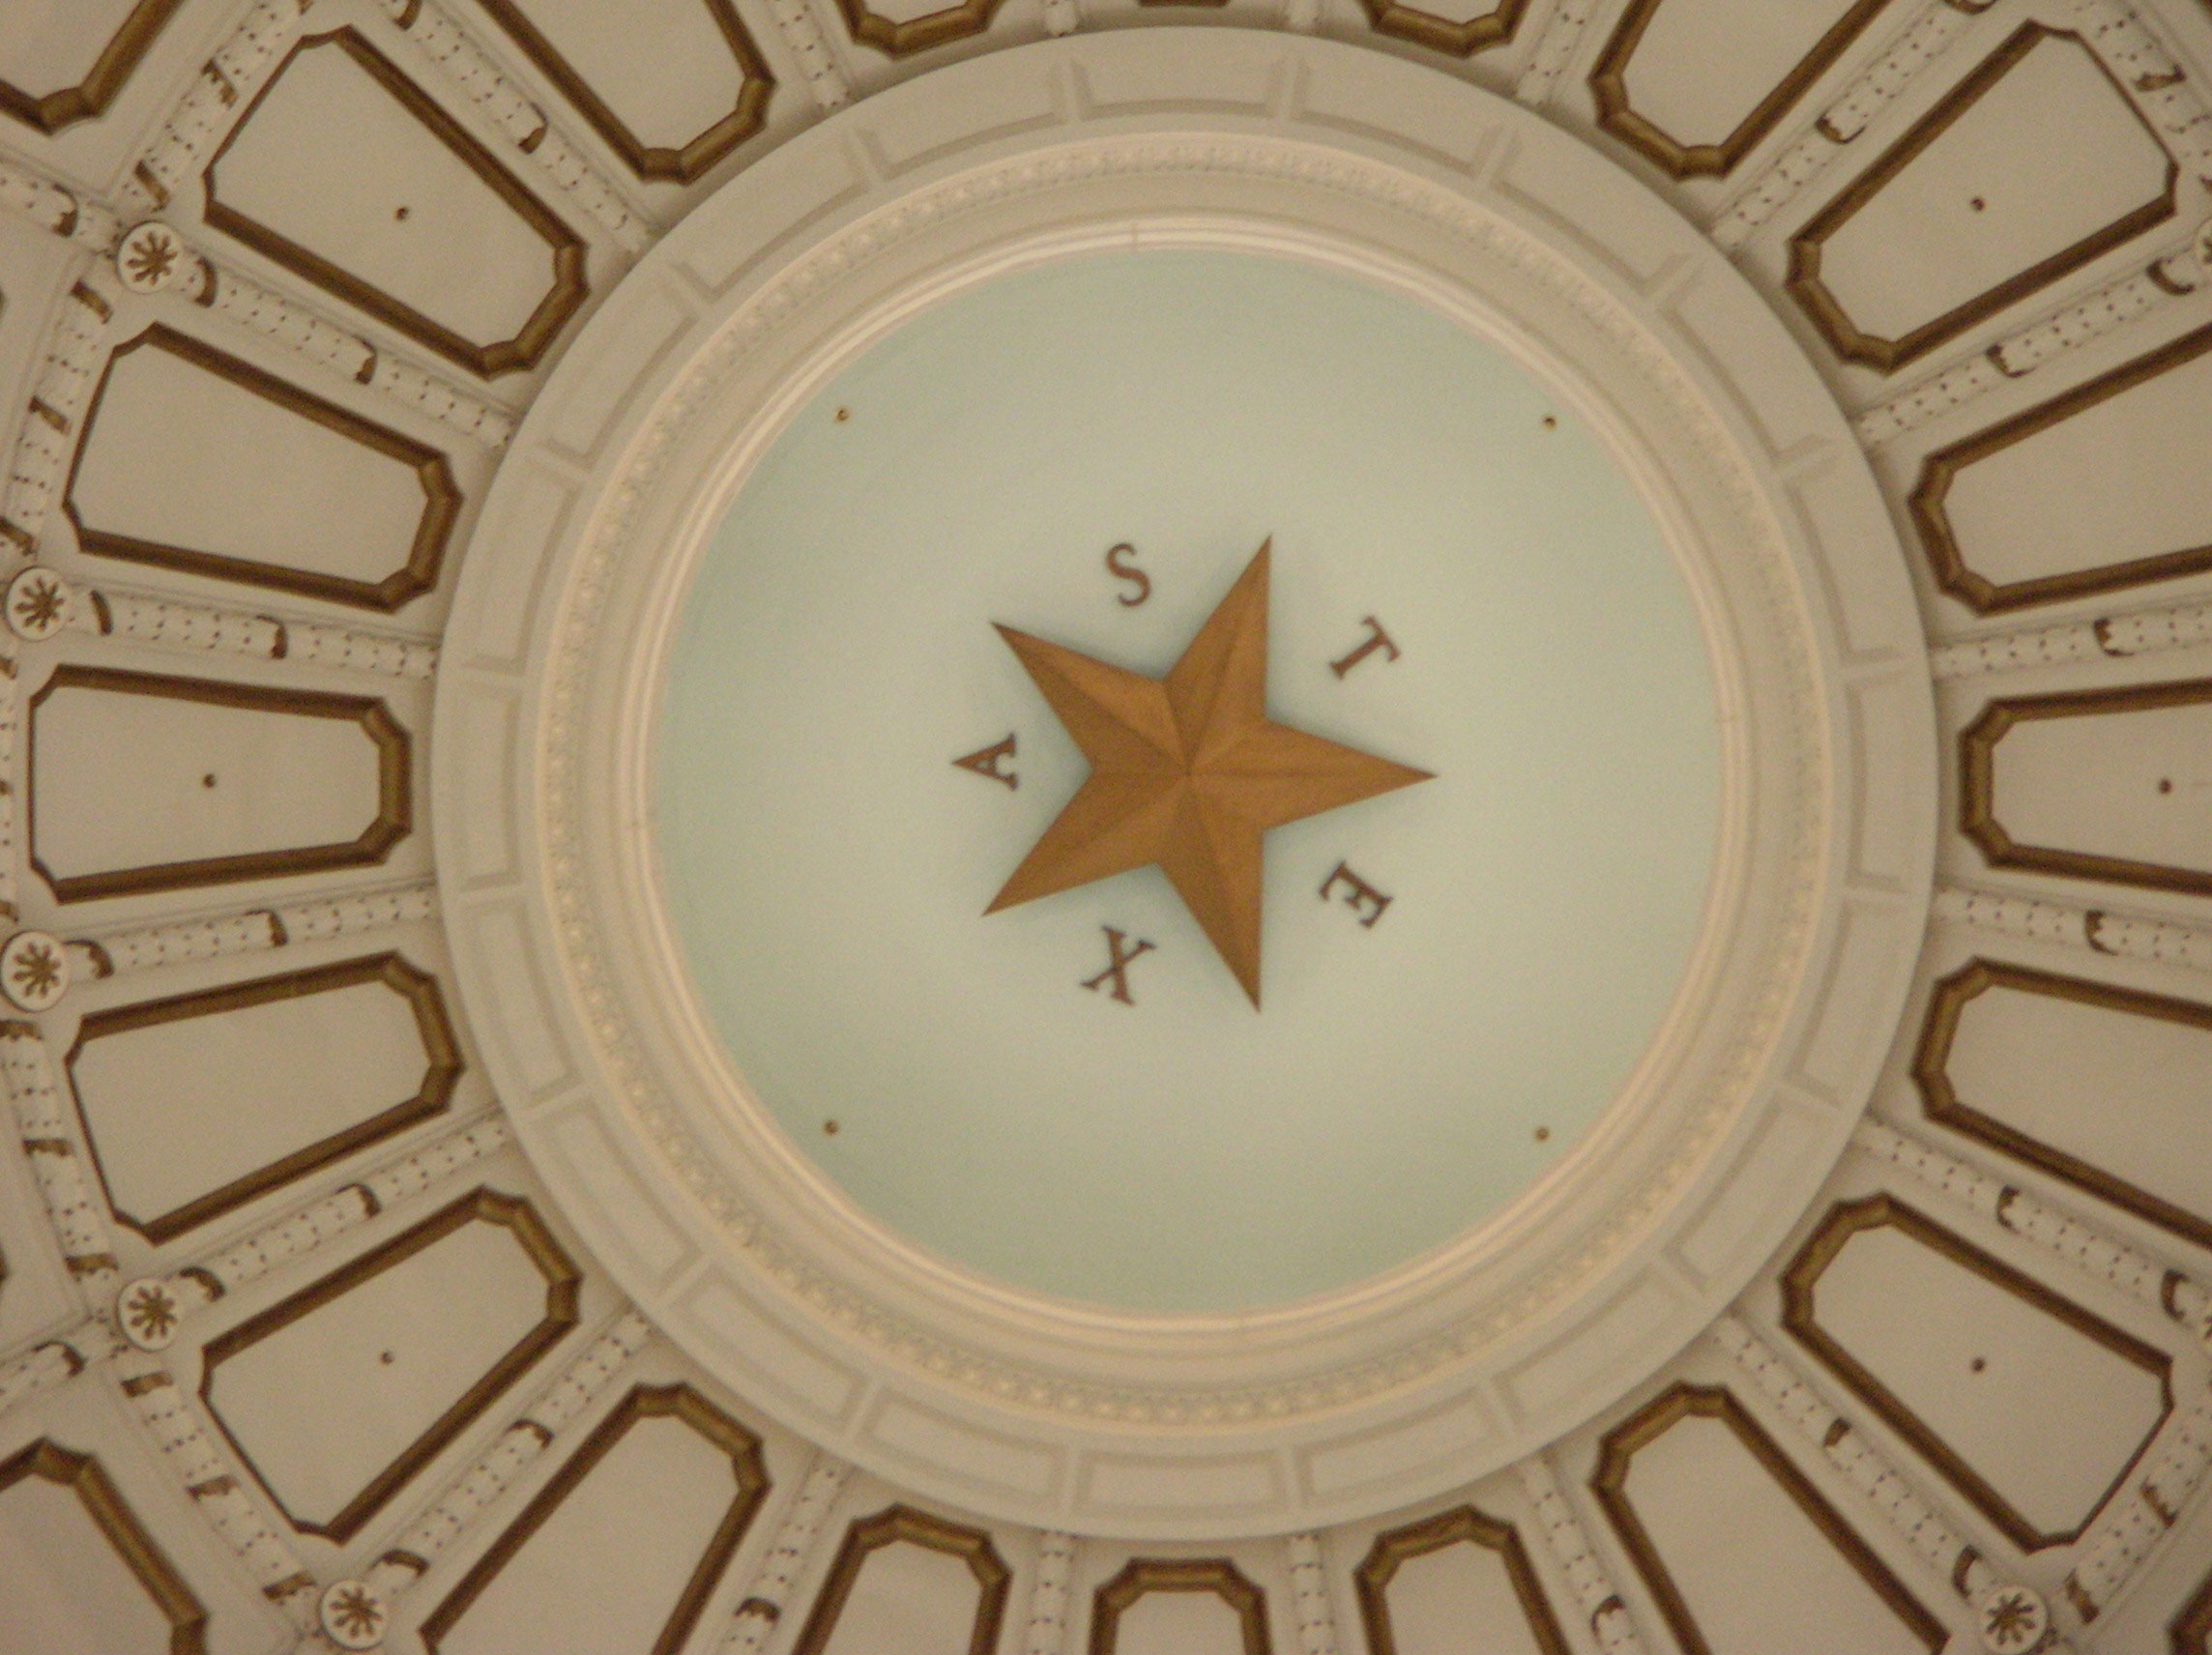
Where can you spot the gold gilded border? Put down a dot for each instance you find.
(1940, 1100)
(1937, 471)
(502, 356)
(1462, 1526)
(82, 1475)
(1799, 1315)
(1977, 783)
(682, 166)
(133, 37)
(1828, 315)
(395, 813)
(898, 1524)
(417, 987)
(1493, 28)
(442, 496)
(1610, 1482)
(2192, 1628)
(644, 1401)
(919, 34)
(563, 1281)
(1141, 1576)
(1609, 81)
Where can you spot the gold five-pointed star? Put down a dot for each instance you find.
(1188, 771)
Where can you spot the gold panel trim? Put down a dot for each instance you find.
(419, 988)
(1494, 28)
(682, 166)
(919, 34)
(81, 1474)
(502, 356)
(1942, 1102)
(117, 59)
(1801, 1316)
(563, 1281)
(441, 507)
(1985, 597)
(1609, 81)
(1141, 1576)
(644, 1401)
(1842, 334)
(1977, 784)
(1462, 1526)
(395, 815)
(2191, 1629)
(900, 1524)
(1610, 1482)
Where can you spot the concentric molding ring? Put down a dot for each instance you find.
(1362, 1401)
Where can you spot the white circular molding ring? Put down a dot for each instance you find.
(1436, 1373)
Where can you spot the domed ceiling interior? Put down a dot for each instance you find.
(304, 1345)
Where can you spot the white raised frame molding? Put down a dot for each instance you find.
(1463, 1361)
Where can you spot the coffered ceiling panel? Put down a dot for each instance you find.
(2108, 1088)
(1711, 1509)
(1959, 219)
(1460, 1577)
(1955, 1350)
(622, 1548)
(82, 1576)
(198, 1103)
(2092, 491)
(672, 100)
(2099, 784)
(145, 781)
(349, 174)
(61, 64)
(1695, 84)
(192, 459)
(1189, 1605)
(901, 27)
(356, 1347)
(905, 1579)
(1459, 27)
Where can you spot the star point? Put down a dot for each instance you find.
(1188, 771)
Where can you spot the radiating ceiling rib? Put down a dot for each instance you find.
(1309, 1595)
(1555, 50)
(2172, 274)
(1604, 1611)
(1046, 1630)
(2097, 930)
(2107, 637)
(789, 1559)
(174, 623)
(191, 1456)
(253, 930)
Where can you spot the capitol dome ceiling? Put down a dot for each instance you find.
(1087, 826)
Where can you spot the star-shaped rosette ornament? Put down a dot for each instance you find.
(1188, 771)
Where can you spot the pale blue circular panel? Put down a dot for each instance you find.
(828, 864)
